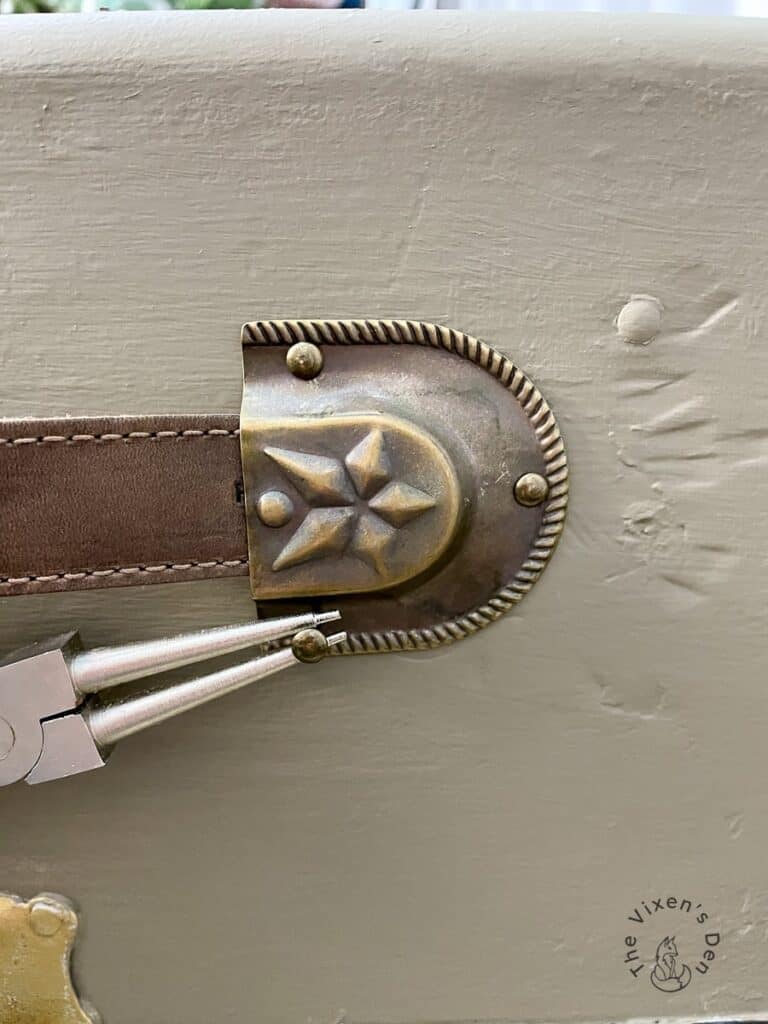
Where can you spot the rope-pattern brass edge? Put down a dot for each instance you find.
(511, 377)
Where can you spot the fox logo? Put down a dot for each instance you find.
(669, 974)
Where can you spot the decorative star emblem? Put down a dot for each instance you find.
(355, 505)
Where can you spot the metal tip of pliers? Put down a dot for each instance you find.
(321, 617)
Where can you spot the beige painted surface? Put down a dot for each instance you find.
(461, 836)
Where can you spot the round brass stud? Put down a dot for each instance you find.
(309, 645)
(304, 360)
(274, 508)
(531, 489)
(46, 917)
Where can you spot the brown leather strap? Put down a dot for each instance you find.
(104, 502)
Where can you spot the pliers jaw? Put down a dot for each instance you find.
(35, 685)
(68, 749)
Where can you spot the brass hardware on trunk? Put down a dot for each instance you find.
(365, 485)
(408, 474)
(405, 473)
(36, 940)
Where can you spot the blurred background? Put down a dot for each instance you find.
(735, 8)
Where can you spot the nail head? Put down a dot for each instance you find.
(309, 645)
(640, 319)
(46, 918)
(304, 360)
(531, 489)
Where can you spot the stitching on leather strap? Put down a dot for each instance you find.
(133, 435)
(125, 571)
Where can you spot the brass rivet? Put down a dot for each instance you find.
(309, 645)
(531, 489)
(46, 918)
(274, 508)
(304, 360)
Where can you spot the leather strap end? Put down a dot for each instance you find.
(119, 501)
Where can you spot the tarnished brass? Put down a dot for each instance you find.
(36, 941)
(310, 646)
(531, 489)
(304, 360)
(417, 482)
(375, 502)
